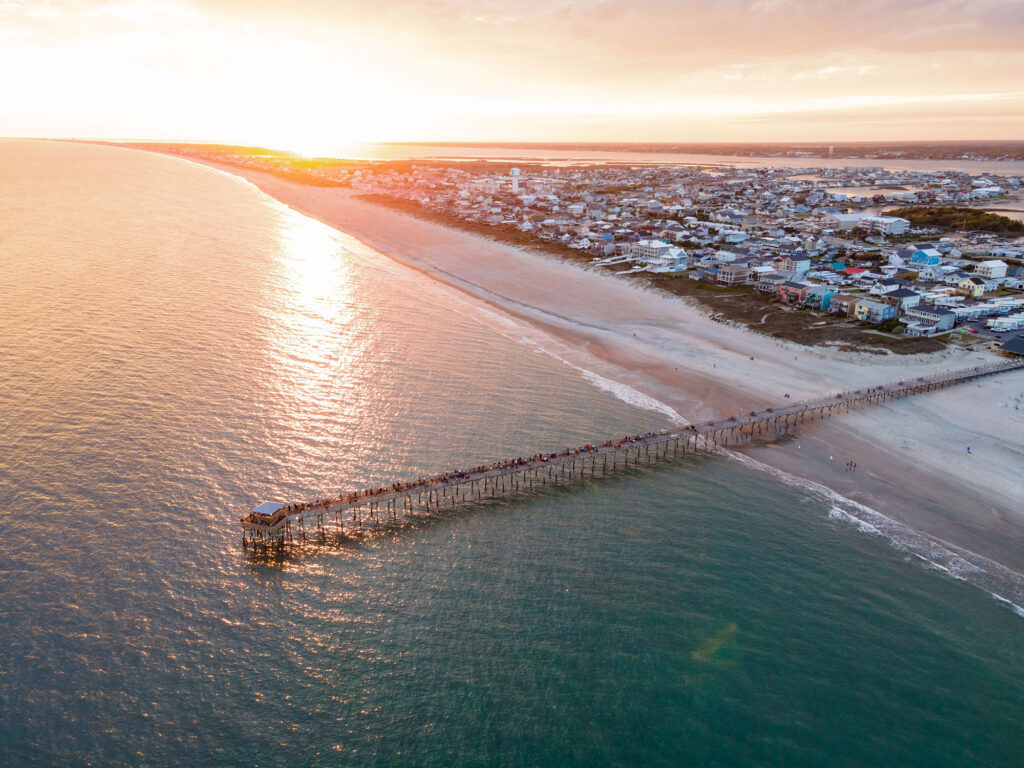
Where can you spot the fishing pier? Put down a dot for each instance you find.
(274, 525)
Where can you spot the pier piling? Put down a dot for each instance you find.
(262, 530)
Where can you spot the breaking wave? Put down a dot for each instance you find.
(999, 581)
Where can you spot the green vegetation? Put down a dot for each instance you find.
(951, 217)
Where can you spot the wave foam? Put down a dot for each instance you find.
(999, 581)
(843, 516)
(990, 577)
(631, 396)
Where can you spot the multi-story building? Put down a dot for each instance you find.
(649, 249)
(991, 268)
(733, 274)
(820, 295)
(795, 264)
(927, 319)
(843, 304)
(901, 298)
(971, 287)
(871, 311)
(886, 225)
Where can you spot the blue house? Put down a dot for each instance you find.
(873, 311)
(925, 257)
(820, 295)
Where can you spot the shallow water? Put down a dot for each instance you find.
(176, 347)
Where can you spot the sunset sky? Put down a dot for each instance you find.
(312, 75)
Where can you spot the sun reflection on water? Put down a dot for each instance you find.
(316, 338)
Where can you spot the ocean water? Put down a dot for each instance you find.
(176, 347)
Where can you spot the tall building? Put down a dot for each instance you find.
(515, 173)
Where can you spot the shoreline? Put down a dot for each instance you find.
(910, 468)
(736, 305)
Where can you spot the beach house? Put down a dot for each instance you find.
(932, 274)
(733, 274)
(796, 264)
(901, 298)
(768, 284)
(887, 225)
(925, 257)
(991, 268)
(819, 295)
(792, 293)
(971, 287)
(1013, 347)
(871, 311)
(846, 221)
(928, 319)
(843, 304)
(649, 250)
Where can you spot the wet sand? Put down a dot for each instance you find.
(912, 464)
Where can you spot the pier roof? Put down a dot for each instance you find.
(267, 508)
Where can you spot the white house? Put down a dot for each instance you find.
(793, 264)
(649, 249)
(674, 260)
(886, 225)
(847, 221)
(991, 268)
(733, 237)
(1006, 253)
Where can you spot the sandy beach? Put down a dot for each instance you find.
(911, 455)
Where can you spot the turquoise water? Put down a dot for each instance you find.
(176, 347)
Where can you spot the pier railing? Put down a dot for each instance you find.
(392, 502)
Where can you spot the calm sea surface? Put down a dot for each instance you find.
(176, 347)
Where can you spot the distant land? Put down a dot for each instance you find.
(950, 217)
(1009, 150)
(919, 150)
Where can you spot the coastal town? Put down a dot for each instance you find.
(818, 240)
(860, 257)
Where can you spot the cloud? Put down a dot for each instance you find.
(424, 63)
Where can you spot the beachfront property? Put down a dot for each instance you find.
(871, 311)
(1012, 347)
(843, 304)
(733, 274)
(793, 235)
(928, 319)
(792, 293)
(768, 284)
(649, 250)
(819, 296)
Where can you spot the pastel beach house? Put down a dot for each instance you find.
(871, 311)
(971, 287)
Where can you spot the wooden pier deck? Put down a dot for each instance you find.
(388, 504)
